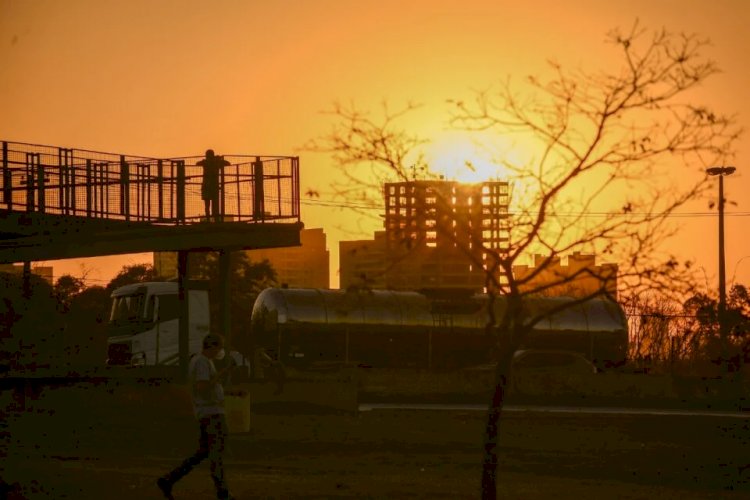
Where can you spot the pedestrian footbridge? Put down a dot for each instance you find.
(58, 202)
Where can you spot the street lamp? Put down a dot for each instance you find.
(721, 172)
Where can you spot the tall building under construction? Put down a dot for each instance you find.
(437, 236)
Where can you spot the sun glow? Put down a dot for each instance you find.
(469, 157)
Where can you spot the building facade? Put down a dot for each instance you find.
(362, 263)
(305, 266)
(580, 276)
(44, 272)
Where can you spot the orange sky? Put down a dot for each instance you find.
(172, 78)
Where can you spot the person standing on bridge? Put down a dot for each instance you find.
(208, 403)
(212, 166)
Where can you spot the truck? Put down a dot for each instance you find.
(144, 326)
(144, 323)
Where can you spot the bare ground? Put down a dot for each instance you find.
(82, 444)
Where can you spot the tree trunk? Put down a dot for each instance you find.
(489, 465)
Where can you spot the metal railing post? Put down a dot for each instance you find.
(222, 186)
(62, 186)
(72, 182)
(88, 187)
(7, 179)
(30, 174)
(146, 183)
(41, 184)
(124, 188)
(238, 175)
(295, 187)
(258, 194)
(180, 194)
(279, 210)
(160, 187)
(99, 189)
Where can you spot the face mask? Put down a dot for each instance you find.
(220, 355)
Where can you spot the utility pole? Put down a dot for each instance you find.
(721, 172)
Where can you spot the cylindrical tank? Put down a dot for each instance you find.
(387, 328)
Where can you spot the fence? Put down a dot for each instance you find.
(75, 182)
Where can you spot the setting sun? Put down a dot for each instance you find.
(464, 157)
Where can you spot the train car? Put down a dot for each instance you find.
(387, 328)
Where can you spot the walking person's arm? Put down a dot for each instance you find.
(212, 380)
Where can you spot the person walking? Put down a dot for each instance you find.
(208, 404)
(212, 167)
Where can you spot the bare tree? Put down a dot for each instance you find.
(367, 149)
(655, 331)
(617, 153)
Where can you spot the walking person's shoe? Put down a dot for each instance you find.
(224, 495)
(165, 486)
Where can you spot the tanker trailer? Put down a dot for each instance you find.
(386, 328)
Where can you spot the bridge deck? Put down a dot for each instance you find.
(62, 203)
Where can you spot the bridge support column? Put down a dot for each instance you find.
(224, 283)
(26, 277)
(184, 328)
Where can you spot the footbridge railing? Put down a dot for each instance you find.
(75, 182)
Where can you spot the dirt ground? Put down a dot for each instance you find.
(82, 444)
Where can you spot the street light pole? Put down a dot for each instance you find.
(721, 172)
